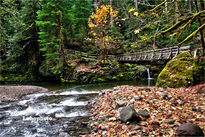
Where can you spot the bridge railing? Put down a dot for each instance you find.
(153, 55)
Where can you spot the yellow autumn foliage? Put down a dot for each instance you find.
(132, 9)
(100, 18)
(136, 14)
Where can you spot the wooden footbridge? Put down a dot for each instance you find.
(163, 54)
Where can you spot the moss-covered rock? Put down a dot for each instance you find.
(179, 72)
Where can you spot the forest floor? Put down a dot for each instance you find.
(167, 107)
(11, 93)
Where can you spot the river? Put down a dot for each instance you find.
(62, 112)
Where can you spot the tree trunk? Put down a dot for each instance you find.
(166, 8)
(136, 4)
(111, 18)
(176, 10)
(95, 3)
(190, 5)
(200, 24)
(62, 51)
(202, 4)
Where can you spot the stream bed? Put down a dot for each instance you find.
(58, 113)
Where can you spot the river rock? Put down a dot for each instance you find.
(63, 134)
(155, 123)
(14, 92)
(120, 104)
(177, 123)
(144, 113)
(137, 127)
(144, 89)
(117, 116)
(129, 114)
(132, 101)
(138, 98)
(165, 96)
(189, 129)
(196, 109)
(169, 121)
(102, 93)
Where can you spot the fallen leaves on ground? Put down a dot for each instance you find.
(180, 105)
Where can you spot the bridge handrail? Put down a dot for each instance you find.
(151, 55)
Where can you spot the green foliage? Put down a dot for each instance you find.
(19, 48)
(34, 34)
(75, 20)
(49, 37)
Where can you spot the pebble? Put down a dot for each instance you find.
(63, 134)
(196, 109)
(144, 113)
(138, 98)
(170, 121)
(165, 96)
(103, 128)
(177, 123)
(132, 101)
(137, 127)
(117, 116)
(144, 89)
(120, 104)
(155, 123)
(112, 119)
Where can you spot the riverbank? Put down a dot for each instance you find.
(11, 93)
(165, 110)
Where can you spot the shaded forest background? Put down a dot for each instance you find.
(35, 35)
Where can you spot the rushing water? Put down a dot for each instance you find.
(60, 113)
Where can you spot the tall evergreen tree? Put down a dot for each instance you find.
(49, 35)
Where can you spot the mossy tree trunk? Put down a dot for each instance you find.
(200, 24)
(62, 51)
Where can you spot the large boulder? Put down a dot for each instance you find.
(179, 72)
(189, 129)
(128, 114)
(10, 93)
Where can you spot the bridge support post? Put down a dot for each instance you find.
(148, 66)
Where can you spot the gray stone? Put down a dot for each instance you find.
(102, 93)
(117, 116)
(137, 127)
(144, 113)
(132, 101)
(189, 129)
(170, 121)
(138, 98)
(165, 96)
(63, 134)
(120, 104)
(196, 109)
(144, 89)
(155, 123)
(177, 123)
(129, 114)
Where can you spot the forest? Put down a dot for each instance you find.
(45, 40)
(102, 68)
